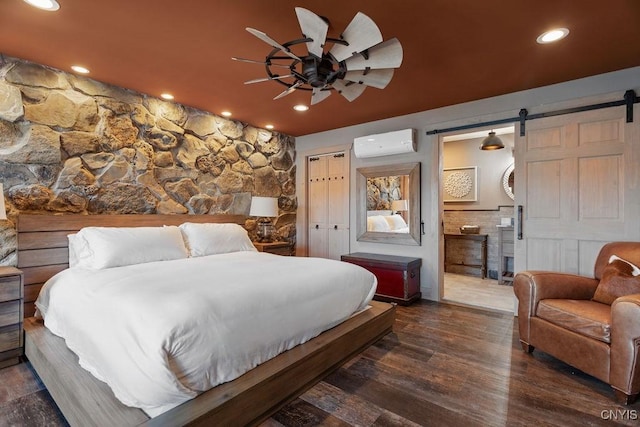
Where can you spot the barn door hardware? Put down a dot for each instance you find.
(628, 100)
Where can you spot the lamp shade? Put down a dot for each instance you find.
(491, 142)
(399, 205)
(3, 210)
(264, 206)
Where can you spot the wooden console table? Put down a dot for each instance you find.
(465, 252)
(398, 276)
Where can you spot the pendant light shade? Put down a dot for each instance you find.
(491, 142)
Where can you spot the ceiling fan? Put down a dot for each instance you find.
(357, 59)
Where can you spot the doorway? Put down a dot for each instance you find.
(475, 206)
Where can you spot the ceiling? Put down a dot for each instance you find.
(454, 50)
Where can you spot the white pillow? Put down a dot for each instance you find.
(118, 246)
(78, 250)
(377, 223)
(212, 239)
(396, 222)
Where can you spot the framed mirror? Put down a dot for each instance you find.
(388, 204)
(507, 181)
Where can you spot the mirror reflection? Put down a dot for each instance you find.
(507, 181)
(387, 204)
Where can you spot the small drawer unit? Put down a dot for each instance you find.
(11, 315)
(398, 276)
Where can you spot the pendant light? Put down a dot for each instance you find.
(491, 142)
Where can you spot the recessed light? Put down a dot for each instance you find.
(166, 96)
(552, 35)
(226, 113)
(80, 69)
(50, 5)
(269, 127)
(300, 107)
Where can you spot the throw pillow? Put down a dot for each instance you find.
(617, 280)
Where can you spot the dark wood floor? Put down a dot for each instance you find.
(444, 365)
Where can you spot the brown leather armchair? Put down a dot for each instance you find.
(556, 314)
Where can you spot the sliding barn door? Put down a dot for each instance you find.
(328, 192)
(577, 186)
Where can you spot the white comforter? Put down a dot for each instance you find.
(162, 332)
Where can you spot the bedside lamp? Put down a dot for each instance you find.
(3, 210)
(265, 208)
(399, 205)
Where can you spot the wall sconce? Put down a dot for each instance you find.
(399, 205)
(265, 208)
(491, 142)
(3, 209)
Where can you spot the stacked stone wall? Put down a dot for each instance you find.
(69, 144)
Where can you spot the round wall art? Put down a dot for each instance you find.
(460, 184)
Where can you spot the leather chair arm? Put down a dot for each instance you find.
(625, 344)
(532, 286)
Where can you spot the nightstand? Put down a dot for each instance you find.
(11, 306)
(278, 248)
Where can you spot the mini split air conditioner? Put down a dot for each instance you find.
(385, 144)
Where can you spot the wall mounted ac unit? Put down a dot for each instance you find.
(385, 144)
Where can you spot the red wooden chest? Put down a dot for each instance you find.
(398, 276)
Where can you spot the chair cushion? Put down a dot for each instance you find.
(585, 317)
(619, 278)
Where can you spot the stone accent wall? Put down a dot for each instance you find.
(487, 220)
(69, 144)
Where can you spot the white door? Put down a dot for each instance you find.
(328, 193)
(337, 206)
(578, 187)
(317, 176)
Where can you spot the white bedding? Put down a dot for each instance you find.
(160, 333)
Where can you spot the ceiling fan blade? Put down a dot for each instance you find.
(350, 92)
(267, 79)
(252, 61)
(288, 91)
(374, 78)
(313, 27)
(319, 95)
(384, 55)
(268, 40)
(361, 34)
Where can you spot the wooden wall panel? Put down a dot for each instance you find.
(544, 254)
(600, 131)
(544, 138)
(543, 181)
(600, 183)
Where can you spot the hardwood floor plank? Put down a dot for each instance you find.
(444, 365)
(301, 414)
(349, 408)
(389, 419)
(400, 402)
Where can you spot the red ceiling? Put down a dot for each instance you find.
(454, 50)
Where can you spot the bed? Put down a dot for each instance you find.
(247, 400)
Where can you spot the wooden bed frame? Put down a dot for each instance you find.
(248, 400)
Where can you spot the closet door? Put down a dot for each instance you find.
(317, 173)
(328, 193)
(337, 206)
